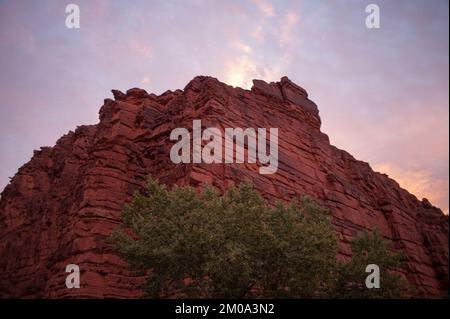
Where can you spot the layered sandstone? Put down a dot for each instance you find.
(60, 207)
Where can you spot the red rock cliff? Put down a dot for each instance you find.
(61, 206)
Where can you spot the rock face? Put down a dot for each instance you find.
(61, 206)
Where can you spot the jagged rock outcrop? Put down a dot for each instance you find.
(61, 206)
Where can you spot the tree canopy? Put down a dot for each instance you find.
(204, 244)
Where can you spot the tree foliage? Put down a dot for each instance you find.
(367, 249)
(193, 244)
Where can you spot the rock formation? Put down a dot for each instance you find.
(60, 207)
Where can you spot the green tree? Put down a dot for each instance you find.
(372, 249)
(195, 244)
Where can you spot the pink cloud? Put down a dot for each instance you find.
(419, 182)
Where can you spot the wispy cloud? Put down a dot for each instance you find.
(265, 7)
(288, 31)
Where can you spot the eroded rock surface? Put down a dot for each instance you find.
(61, 206)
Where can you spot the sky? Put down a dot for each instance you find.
(382, 93)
